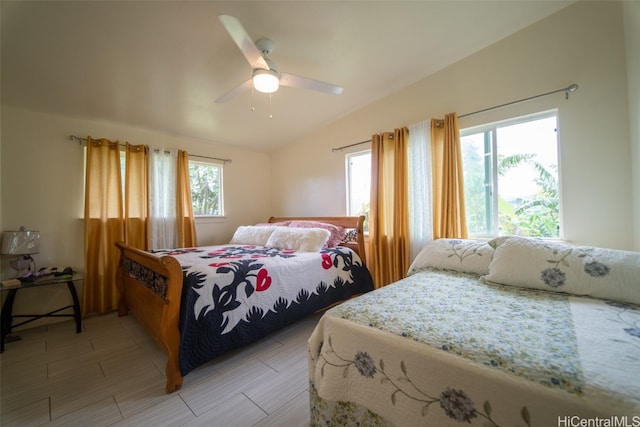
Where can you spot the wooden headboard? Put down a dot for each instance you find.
(354, 240)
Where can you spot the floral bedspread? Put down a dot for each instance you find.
(235, 294)
(439, 348)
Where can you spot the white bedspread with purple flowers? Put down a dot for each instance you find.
(440, 348)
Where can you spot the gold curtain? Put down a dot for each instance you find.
(389, 208)
(184, 215)
(449, 218)
(107, 221)
(136, 196)
(103, 225)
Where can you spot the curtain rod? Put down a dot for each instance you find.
(567, 90)
(571, 88)
(353, 145)
(83, 141)
(333, 150)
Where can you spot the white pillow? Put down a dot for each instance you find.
(299, 239)
(561, 267)
(252, 235)
(467, 256)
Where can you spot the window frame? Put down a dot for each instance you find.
(349, 181)
(220, 166)
(492, 162)
(198, 218)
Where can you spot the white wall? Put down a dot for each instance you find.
(632, 37)
(581, 44)
(42, 188)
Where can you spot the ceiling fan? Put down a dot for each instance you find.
(265, 77)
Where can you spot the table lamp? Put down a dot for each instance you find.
(22, 244)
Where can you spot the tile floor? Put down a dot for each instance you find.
(112, 374)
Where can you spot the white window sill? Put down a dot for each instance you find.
(210, 219)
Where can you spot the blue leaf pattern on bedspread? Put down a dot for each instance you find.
(233, 295)
(627, 315)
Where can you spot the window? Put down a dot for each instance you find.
(511, 177)
(206, 188)
(359, 184)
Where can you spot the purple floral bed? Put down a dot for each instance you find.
(444, 348)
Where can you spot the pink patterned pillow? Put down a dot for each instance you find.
(337, 232)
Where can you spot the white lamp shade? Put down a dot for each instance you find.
(266, 81)
(23, 242)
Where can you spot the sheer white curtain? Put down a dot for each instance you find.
(420, 197)
(162, 198)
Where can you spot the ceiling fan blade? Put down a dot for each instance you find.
(244, 42)
(235, 91)
(292, 80)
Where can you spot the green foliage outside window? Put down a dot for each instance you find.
(537, 216)
(477, 196)
(206, 182)
(511, 179)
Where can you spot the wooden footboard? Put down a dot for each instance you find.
(151, 287)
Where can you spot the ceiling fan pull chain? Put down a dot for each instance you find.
(253, 108)
(270, 115)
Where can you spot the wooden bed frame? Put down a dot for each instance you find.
(151, 288)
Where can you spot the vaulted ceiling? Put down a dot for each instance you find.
(162, 64)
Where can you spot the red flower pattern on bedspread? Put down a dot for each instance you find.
(263, 280)
(327, 262)
(218, 264)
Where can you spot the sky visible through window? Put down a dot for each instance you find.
(536, 137)
(359, 170)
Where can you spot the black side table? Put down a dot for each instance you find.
(7, 308)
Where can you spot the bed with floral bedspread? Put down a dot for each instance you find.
(199, 303)
(527, 333)
(235, 294)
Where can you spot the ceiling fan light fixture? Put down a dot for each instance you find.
(266, 76)
(266, 81)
